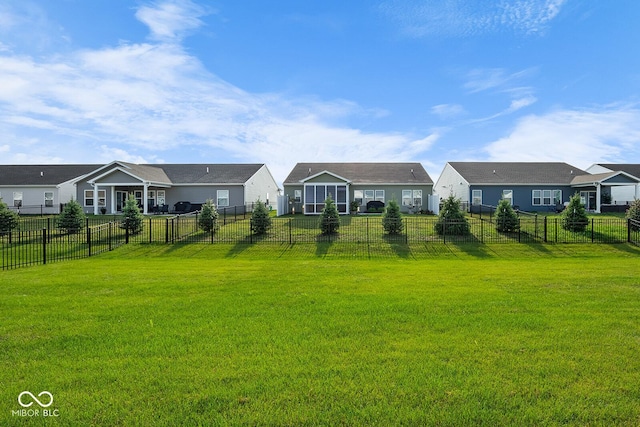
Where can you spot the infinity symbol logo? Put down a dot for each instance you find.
(26, 405)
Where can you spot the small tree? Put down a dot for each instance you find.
(634, 213)
(392, 220)
(208, 220)
(506, 217)
(452, 220)
(71, 220)
(8, 219)
(132, 218)
(574, 217)
(329, 219)
(260, 219)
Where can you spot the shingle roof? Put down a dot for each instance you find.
(364, 173)
(221, 173)
(630, 168)
(517, 173)
(42, 174)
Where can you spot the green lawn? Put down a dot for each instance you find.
(324, 334)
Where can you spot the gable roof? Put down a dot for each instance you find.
(586, 180)
(221, 173)
(524, 173)
(630, 168)
(363, 173)
(16, 175)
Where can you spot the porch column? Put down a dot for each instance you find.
(95, 199)
(113, 199)
(598, 195)
(145, 198)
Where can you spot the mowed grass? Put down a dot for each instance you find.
(327, 335)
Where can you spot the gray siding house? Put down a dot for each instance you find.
(529, 186)
(163, 186)
(98, 188)
(309, 184)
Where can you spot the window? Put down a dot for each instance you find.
(411, 197)
(368, 196)
(508, 195)
(476, 197)
(358, 196)
(151, 198)
(138, 195)
(102, 197)
(380, 195)
(297, 196)
(161, 197)
(48, 199)
(546, 197)
(17, 199)
(223, 198)
(315, 195)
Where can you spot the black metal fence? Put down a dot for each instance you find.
(39, 240)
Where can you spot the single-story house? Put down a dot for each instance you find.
(365, 184)
(623, 193)
(529, 186)
(40, 189)
(157, 187)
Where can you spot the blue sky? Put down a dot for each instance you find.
(286, 81)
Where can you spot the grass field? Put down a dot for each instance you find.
(448, 335)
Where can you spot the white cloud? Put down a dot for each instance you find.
(171, 19)
(149, 101)
(448, 111)
(573, 136)
(463, 18)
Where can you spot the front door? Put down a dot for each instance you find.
(588, 199)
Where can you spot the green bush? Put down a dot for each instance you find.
(506, 218)
(208, 219)
(452, 221)
(8, 219)
(574, 217)
(634, 213)
(260, 219)
(71, 220)
(392, 220)
(132, 218)
(329, 219)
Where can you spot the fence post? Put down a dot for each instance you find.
(545, 230)
(150, 239)
(481, 231)
(251, 230)
(628, 230)
(592, 230)
(88, 236)
(44, 245)
(444, 230)
(556, 227)
(290, 237)
(49, 229)
(367, 239)
(519, 229)
(166, 230)
(126, 235)
(110, 235)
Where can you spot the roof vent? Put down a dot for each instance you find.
(41, 173)
(207, 169)
(494, 171)
(309, 173)
(571, 171)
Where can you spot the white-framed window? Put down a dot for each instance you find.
(380, 196)
(48, 199)
(102, 197)
(297, 196)
(508, 195)
(411, 197)
(546, 197)
(358, 196)
(138, 195)
(17, 199)
(368, 196)
(316, 194)
(151, 198)
(222, 198)
(476, 197)
(161, 197)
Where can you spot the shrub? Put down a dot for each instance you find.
(329, 219)
(71, 220)
(208, 220)
(392, 220)
(506, 217)
(452, 220)
(574, 217)
(634, 213)
(8, 219)
(132, 218)
(260, 219)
